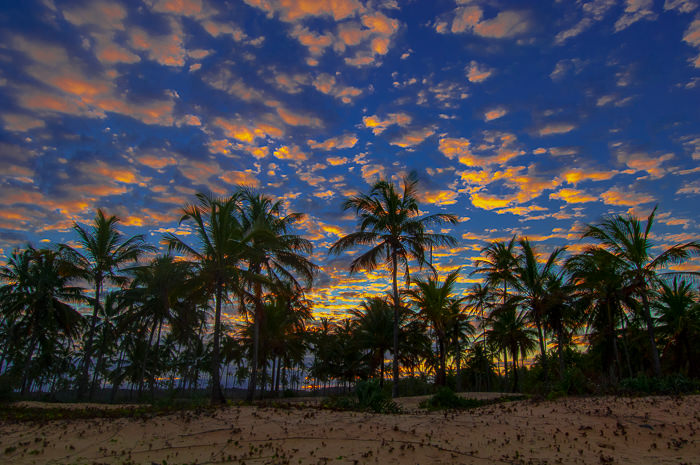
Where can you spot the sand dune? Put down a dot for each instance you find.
(581, 430)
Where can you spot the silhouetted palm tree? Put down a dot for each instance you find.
(37, 295)
(273, 252)
(103, 252)
(679, 324)
(436, 306)
(531, 281)
(624, 238)
(217, 258)
(509, 331)
(389, 222)
(374, 331)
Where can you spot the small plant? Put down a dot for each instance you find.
(445, 398)
(675, 384)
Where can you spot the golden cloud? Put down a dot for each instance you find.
(555, 128)
(495, 113)
(615, 196)
(572, 196)
(345, 141)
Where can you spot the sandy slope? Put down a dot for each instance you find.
(586, 430)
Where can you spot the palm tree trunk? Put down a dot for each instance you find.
(515, 370)
(145, 358)
(458, 380)
(543, 351)
(217, 396)
(256, 342)
(27, 365)
(395, 362)
(655, 360)
(560, 351)
(441, 377)
(83, 382)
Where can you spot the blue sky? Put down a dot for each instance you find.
(529, 118)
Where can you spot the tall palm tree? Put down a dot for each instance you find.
(599, 292)
(389, 222)
(217, 258)
(273, 252)
(625, 239)
(509, 331)
(437, 307)
(102, 253)
(38, 295)
(531, 281)
(498, 265)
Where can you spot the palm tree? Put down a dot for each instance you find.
(531, 280)
(437, 307)
(389, 221)
(37, 295)
(479, 298)
(103, 252)
(624, 238)
(599, 292)
(217, 257)
(374, 331)
(274, 253)
(156, 290)
(679, 317)
(509, 331)
(498, 265)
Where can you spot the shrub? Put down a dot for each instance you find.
(674, 384)
(445, 398)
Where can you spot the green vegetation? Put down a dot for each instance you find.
(612, 318)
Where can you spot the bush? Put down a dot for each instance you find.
(7, 387)
(445, 398)
(369, 396)
(674, 384)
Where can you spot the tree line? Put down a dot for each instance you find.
(109, 312)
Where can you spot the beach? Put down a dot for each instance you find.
(570, 430)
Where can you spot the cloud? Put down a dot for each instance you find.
(345, 141)
(572, 196)
(371, 173)
(412, 137)
(247, 131)
(326, 84)
(293, 152)
(506, 24)
(689, 188)
(681, 6)
(240, 178)
(493, 148)
(477, 72)
(628, 198)
(17, 122)
(566, 66)
(298, 119)
(641, 161)
(191, 8)
(593, 11)
(494, 113)
(635, 10)
(555, 128)
(294, 10)
(378, 125)
(692, 37)
(439, 197)
(576, 175)
(69, 90)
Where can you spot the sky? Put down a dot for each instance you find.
(527, 118)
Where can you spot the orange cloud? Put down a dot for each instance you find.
(290, 153)
(345, 141)
(293, 10)
(495, 148)
(296, 119)
(413, 137)
(495, 114)
(326, 83)
(440, 197)
(20, 123)
(576, 175)
(614, 196)
(477, 73)
(247, 132)
(240, 178)
(555, 128)
(378, 125)
(640, 161)
(572, 196)
(166, 49)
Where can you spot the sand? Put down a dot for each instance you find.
(654, 430)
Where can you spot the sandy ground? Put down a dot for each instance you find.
(654, 430)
